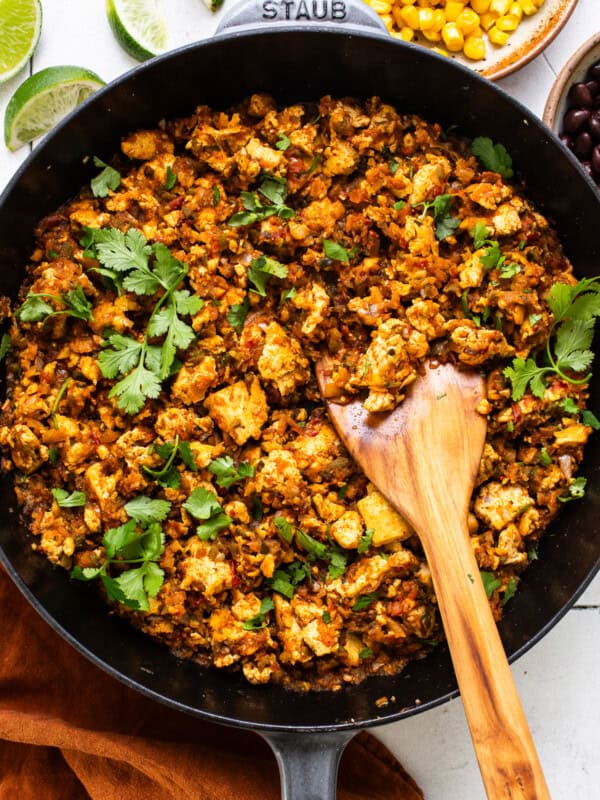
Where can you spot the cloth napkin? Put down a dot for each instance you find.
(68, 731)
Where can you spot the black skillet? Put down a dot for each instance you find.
(296, 52)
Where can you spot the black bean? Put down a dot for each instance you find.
(583, 145)
(593, 73)
(596, 159)
(593, 86)
(580, 95)
(575, 118)
(593, 125)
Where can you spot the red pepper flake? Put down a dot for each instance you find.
(235, 578)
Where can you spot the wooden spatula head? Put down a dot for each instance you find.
(432, 442)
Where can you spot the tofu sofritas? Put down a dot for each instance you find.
(163, 420)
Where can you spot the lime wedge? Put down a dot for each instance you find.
(43, 100)
(138, 26)
(20, 28)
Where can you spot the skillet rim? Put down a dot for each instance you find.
(130, 76)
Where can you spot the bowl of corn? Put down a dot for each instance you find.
(494, 37)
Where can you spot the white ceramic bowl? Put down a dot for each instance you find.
(573, 71)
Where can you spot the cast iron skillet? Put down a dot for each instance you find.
(347, 53)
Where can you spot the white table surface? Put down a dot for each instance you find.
(559, 680)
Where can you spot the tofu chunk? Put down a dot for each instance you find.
(193, 381)
(499, 505)
(239, 411)
(282, 361)
(386, 522)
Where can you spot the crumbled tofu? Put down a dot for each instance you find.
(239, 411)
(282, 361)
(498, 505)
(193, 381)
(347, 530)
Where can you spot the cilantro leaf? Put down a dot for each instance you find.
(120, 251)
(523, 373)
(132, 390)
(492, 156)
(480, 234)
(285, 579)
(571, 348)
(227, 473)
(204, 505)
(116, 540)
(492, 258)
(336, 252)
(589, 418)
(147, 510)
(545, 458)
(216, 196)
(338, 561)
(490, 582)
(283, 142)
(312, 546)
(284, 528)
(365, 652)
(140, 583)
(236, 316)
(66, 500)
(187, 304)
(576, 490)
(507, 271)
(187, 456)
(123, 356)
(257, 622)
(510, 591)
(34, 309)
(364, 601)
(366, 540)
(5, 344)
(106, 180)
(170, 178)
(261, 270)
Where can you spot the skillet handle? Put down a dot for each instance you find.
(308, 763)
(300, 14)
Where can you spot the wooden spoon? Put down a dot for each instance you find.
(424, 457)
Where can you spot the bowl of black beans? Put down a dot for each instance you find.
(573, 106)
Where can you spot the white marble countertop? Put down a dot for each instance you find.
(559, 679)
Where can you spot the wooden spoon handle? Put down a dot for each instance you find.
(507, 757)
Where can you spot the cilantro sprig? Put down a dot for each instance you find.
(168, 475)
(258, 622)
(130, 262)
(260, 272)
(139, 541)
(575, 309)
(36, 309)
(275, 191)
(445, 223)
(65, 500)
(227, 473)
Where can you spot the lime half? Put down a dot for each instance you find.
(43, 100)
(20, 28)
(138, 26)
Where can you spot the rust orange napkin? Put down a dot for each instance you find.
(70, 732)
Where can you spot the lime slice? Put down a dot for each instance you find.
(43, 100)
(20, 28)
(138, 26)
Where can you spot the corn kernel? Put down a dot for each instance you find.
(507, 23)
(539, 3)
(467, 21)
(408, 2)
(387, 20)
(480, 6)
(474, 48)
(498, 37)
(515, 10)
(528, 7)
(439, 50)
(453, 9)
(432, 36)
(487, 20)
(381, 6)
(425, 18)
(439, 20)
(426, 3)
(500, 7)
(407, 34)
(410, 17)
(453, 37)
